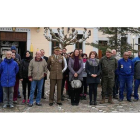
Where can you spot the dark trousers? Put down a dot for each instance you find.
(93, 90)
(116, 86)
(63, 84)
(1, 93)
(75, 94)
(16, 89)
(24, 82)
(137, 83)
(84, 86)
(42, 90)
(128, 81)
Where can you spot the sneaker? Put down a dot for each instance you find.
(5, 106)
(19, 96)
(11, 106)
(23, 101)
(15, 102)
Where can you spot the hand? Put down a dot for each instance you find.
(21, 79)
(75, 75)
(94, 75)
(30, 79)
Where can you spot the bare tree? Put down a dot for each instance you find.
(70, 38)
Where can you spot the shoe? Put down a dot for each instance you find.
(43, 97)
(135, 100)
(81, 97)
(30, 105)
(91, 103)
(50, 104)
(110, 100)
(62, 98)
(115, 97)
(19, 96)
(103, 100)
(5, 106)
(28, 101)
(15, 102)
(38, 104)
(95, 103)
(23, 101)
(73, 104)
(129, 100)
(76, 104)
(11, 106)
(120, 100)
(84, 97)
(59, 103)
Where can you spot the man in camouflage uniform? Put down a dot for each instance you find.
(108, 66)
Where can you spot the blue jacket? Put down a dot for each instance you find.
(8, 70)
(125, 68)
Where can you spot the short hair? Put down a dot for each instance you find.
(94, 52)
(64, 49)
(9, 51)
(42, 50)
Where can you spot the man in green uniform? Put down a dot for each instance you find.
(55, 66)
(108, 66)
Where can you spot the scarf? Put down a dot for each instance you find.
(76, 63)
(84, 60)
(94, 62)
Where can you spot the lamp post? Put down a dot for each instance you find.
(133, 44)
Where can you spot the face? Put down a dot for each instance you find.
(92, 56)
(139, 54)
(81, 51)
(108, 54)
(38, 55)
(64, 50)
(71, 54)
(8, 55)
(13, 55)
(27, 54)
(113, 52)
(42, 52)
(129, 53)
(13, 51)
(125, 56)
(84, 56)
(60, 52)
(56, 52)
(76, 52)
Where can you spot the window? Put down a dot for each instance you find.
(102, 43)
(138, 43)
(123, 41)
(79, 45)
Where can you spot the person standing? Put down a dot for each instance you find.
(1, 91)
(55, 66)
(108, 66)
(23, 74)
(76, 68)
(45, 78)
(14, 50)
(125, 71)
(17, 80)
(8, 70)
(116, 83)
(93, 70)
(36, 72)
(130, 55)
(84, 82)
(136, 62)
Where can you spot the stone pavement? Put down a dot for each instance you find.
(84, 107)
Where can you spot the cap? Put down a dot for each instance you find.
(108, 50)
(13, 48)
(57, 48)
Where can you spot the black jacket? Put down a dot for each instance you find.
(90, 69)
(46, 58)
(67, 70)
(23, 72)
(137, 70)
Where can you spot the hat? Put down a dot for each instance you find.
(57, 48)
(13, 48)
(108, 50)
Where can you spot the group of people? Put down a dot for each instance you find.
(115, 75)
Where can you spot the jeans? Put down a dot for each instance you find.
(128, 81)
(8, 95)
(137, 83)
(39, 84)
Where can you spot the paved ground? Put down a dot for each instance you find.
(83, 106)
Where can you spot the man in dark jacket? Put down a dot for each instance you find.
(8, 70)
(108, 66)
(136, 62)
(125, 71)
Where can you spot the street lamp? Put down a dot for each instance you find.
(133, 44)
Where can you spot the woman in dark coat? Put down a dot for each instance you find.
(24, 75)
(93, 70)
(75, 66)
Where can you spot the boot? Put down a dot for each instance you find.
(103, 100)
(110, 100)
